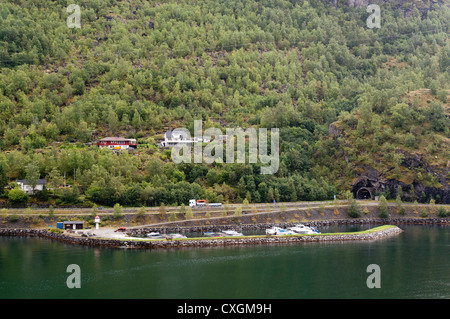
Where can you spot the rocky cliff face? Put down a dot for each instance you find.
(369, 181)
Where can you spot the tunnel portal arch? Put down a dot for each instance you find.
(364, 193)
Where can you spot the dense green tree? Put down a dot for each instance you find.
(354, 209)
(17, 196)
(342, 95)
(383, 211)
(3, 178)
(32, 175)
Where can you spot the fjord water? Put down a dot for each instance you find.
(414, 264)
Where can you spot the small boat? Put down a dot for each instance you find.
(302, 229)
(232, 233)
(213, 234)
(176, 236)
(155, 235)
(279, 231)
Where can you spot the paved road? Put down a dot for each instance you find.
(277, 207)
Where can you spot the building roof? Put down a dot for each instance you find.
(177, 133)
(116, 139)
(74, 222)
(25, 181)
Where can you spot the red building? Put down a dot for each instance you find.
(117, 143)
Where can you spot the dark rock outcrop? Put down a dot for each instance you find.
(372, 183)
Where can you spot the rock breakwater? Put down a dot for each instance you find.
(140, 231)
(374, 234)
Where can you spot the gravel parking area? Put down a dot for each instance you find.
(104, 232)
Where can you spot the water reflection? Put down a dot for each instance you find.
(413, 264)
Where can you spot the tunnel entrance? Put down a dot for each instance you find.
(363, 193)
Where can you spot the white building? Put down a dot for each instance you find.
(177, 136)
(26, 187)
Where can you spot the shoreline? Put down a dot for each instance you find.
(313, 213)
(371, 234)
(106, 237)
(164, 228)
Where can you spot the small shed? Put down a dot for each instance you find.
(73, 224)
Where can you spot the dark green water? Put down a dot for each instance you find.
(414, 264)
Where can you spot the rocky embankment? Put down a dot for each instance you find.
(202, 242)
(181, 228)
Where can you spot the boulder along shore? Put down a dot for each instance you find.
(202, 242)
(71, 237)
(139, 231)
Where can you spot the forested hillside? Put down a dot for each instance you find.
(349, 101)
